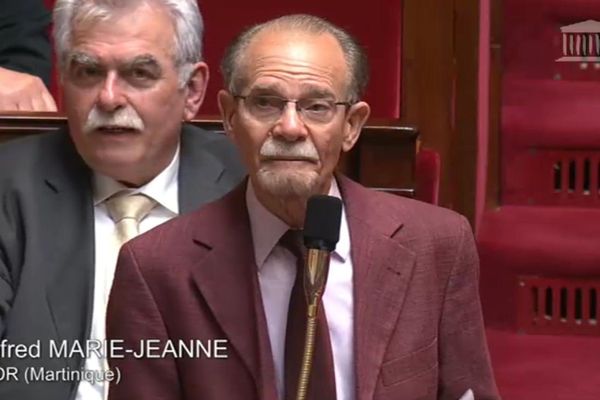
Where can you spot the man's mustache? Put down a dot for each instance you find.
(124, 118)
(282, 149)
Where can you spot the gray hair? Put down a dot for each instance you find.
(356, 59)
(185, 14)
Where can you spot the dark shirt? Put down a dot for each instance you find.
(24, 43)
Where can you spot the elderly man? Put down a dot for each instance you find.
(132, 72)
(401, 304)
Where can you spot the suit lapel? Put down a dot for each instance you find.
(382, 271)
(228, 281)
(199, 172)
(67, 202)
(67, 206)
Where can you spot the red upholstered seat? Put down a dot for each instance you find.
(546, 122)
(545, 367)
(547, 226)
(550, 157)
(551, 113)
(528, 240)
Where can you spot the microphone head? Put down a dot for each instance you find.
(322, 222)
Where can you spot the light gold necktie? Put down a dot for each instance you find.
(127, 210)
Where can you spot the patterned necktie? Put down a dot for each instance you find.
(322, 377)
(127, 210)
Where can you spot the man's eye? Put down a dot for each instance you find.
(140, 74)
(87, 72)
(267, 102)
(317, 106)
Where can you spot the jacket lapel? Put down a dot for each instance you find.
(67, 202)
(227, 279)
(382, 271)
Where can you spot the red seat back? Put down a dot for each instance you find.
(550, 109)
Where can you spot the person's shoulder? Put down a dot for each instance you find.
(411, 213)
(217, 145)
(215, 142)
(166, 250)
(423, 213)
(22, 154)
(417, 225)
(30, 142)
(427, 230)
(179, 231)
(196, 136)
(436, 220)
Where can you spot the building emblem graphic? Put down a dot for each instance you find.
(581, 42)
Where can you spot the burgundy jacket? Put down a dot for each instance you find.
(418, 326)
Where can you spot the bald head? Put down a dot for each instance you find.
(235, 63)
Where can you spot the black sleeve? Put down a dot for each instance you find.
(24, 42)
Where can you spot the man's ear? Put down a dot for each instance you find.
(196, 89)
(356, 118)
(227, 109)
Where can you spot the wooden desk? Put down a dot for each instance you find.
(384, 157)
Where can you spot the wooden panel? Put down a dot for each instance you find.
(439, 90)
(384, 157)
(462, 163)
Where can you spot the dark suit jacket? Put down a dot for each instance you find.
(24, 44)
(418, 325)
(47, 242)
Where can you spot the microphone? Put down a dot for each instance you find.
(321, 234)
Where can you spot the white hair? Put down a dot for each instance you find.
(185, 14)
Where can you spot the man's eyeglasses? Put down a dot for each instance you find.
(268, 108)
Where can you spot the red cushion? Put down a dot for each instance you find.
(550, 114)
(533, 40)
(522, 240)
(545, 367)
(549, 108)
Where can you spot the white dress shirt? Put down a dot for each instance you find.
(164, 190)
(276, 274)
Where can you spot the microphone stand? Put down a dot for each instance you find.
(315, 277)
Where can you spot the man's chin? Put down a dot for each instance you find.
(287, 184)
(111, 162)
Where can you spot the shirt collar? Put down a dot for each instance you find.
(267, 228)
(163, 188)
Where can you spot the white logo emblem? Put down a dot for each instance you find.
(581, 42)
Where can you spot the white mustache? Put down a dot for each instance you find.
(277, 148)
(126, 118)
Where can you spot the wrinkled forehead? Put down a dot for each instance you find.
(115, 33)
(295, 60)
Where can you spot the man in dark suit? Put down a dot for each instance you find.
(25, 60)
(68, 200)
(401, 315)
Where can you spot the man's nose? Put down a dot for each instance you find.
(111, 97)
(290, 125)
